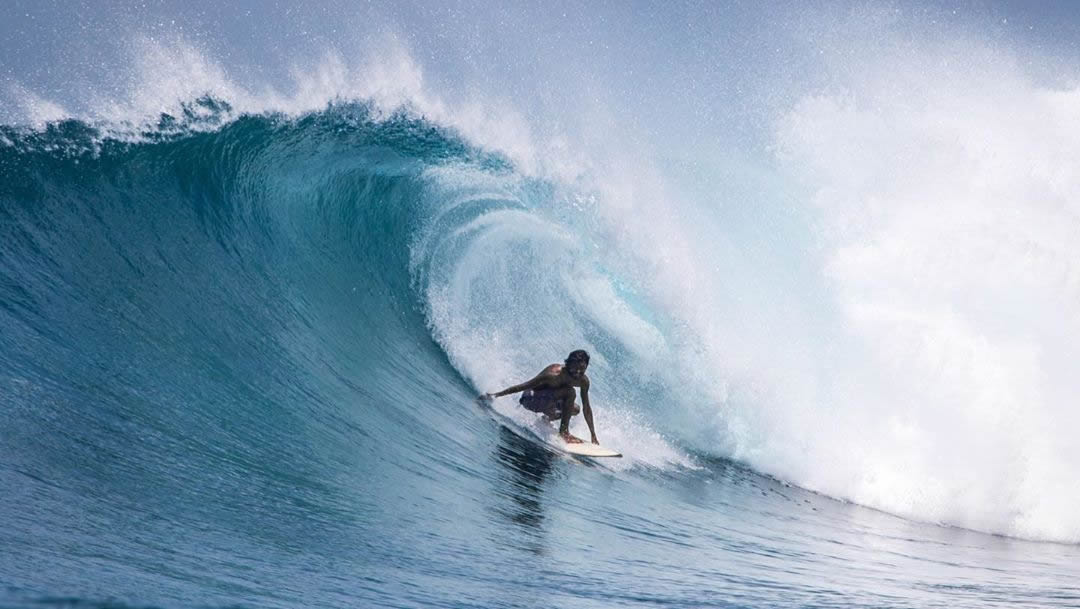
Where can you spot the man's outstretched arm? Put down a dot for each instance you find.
(586, 409)
(529, 384)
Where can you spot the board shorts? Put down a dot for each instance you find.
(541, 400)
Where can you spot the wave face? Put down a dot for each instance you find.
(219, 299)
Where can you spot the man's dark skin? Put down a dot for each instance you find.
(562, 379)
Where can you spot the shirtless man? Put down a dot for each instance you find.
(552, 392)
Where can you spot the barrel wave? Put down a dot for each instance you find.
(239, 359)
(225, 331)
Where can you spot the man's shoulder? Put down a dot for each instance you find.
(552, 370)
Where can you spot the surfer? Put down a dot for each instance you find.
(552, 393)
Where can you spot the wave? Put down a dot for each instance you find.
(879, 310)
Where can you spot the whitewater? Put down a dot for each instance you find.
(830, 293)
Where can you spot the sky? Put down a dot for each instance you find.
(702, 60)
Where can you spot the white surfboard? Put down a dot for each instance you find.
(588, 449)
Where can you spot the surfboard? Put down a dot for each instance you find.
(588, 449)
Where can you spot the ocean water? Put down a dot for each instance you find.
(242, 329)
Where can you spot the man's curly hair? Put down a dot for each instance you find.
(579, 355)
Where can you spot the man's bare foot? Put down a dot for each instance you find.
(571, 439)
